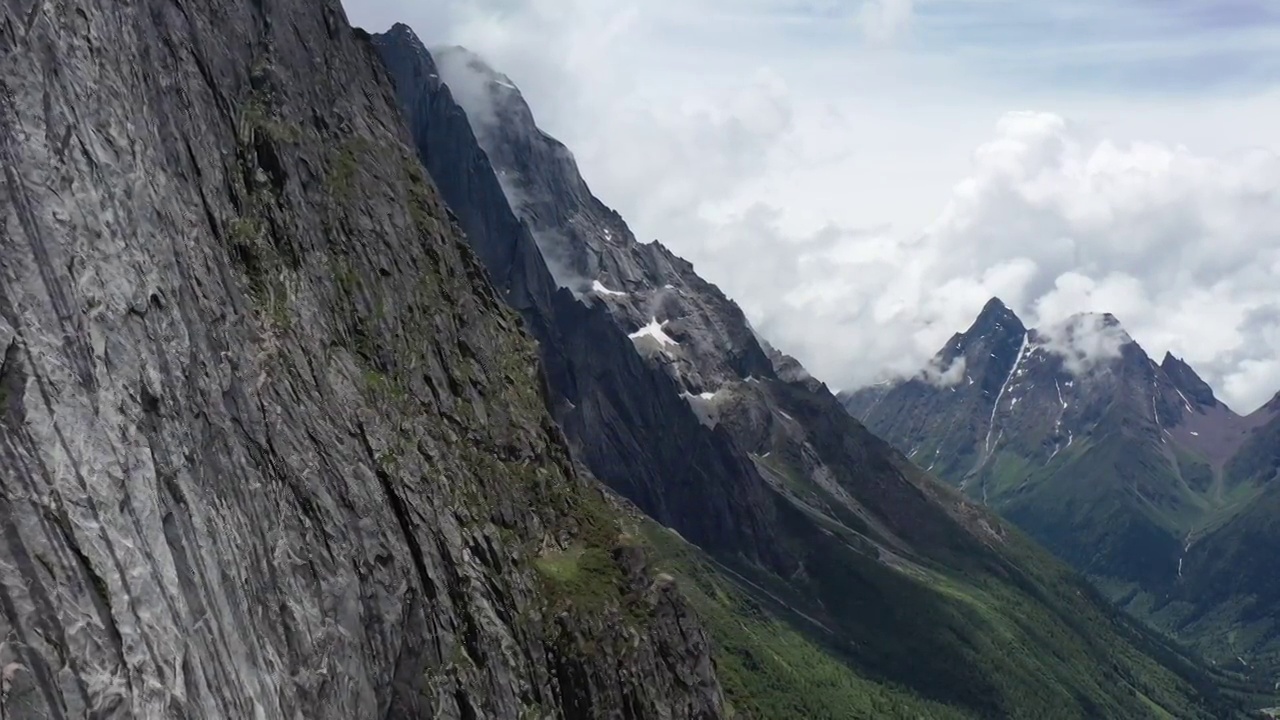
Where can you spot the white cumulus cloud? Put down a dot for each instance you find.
(1085, 341)
(935, 373)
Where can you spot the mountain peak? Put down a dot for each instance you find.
(1093, 319)
(492, 102)
(400, 29)
(1088, 328)
(994, 305)
(459, 57)
(1187, 381)
(996, 318)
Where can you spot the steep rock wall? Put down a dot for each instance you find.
(270, 446)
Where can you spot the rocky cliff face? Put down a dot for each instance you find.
(270, 444)
(625, 417)
(670, 398)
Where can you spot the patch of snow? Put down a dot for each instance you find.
(654, 330)
(1196, 434)
(707, 395)
(1155, 412)
(706, 412)
(1057, 426)
(600, 289)
(1185, 401)
(786, 415)
(1070, 438)
(766, 455)
(991, 423)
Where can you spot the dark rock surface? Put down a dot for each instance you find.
(1187, 381)
(270, 444)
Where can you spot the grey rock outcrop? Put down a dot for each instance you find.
(270, 444)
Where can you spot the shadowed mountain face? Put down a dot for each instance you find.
(1115, 463)
(627, 417)
(270, 444)
(1230, 594)
(668, 396)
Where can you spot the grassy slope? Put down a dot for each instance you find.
(770, 668)
(1106, 509)
(1122, 511)
(1033, 642)
(1117, 527)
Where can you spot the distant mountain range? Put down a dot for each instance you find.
(1130, 470)
(837, 578)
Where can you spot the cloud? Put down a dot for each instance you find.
(944, 377)
(862, 200)
(1085, 342)
(883, 20)
(473, 84)
(1182, 246)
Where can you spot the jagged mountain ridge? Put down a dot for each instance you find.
(1000, 364)
(629, 423)
(270, 444)
(1118, 466)
(860, 536)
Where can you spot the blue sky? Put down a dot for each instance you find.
(862, 176)
(1124, 46)
(1128, 46)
